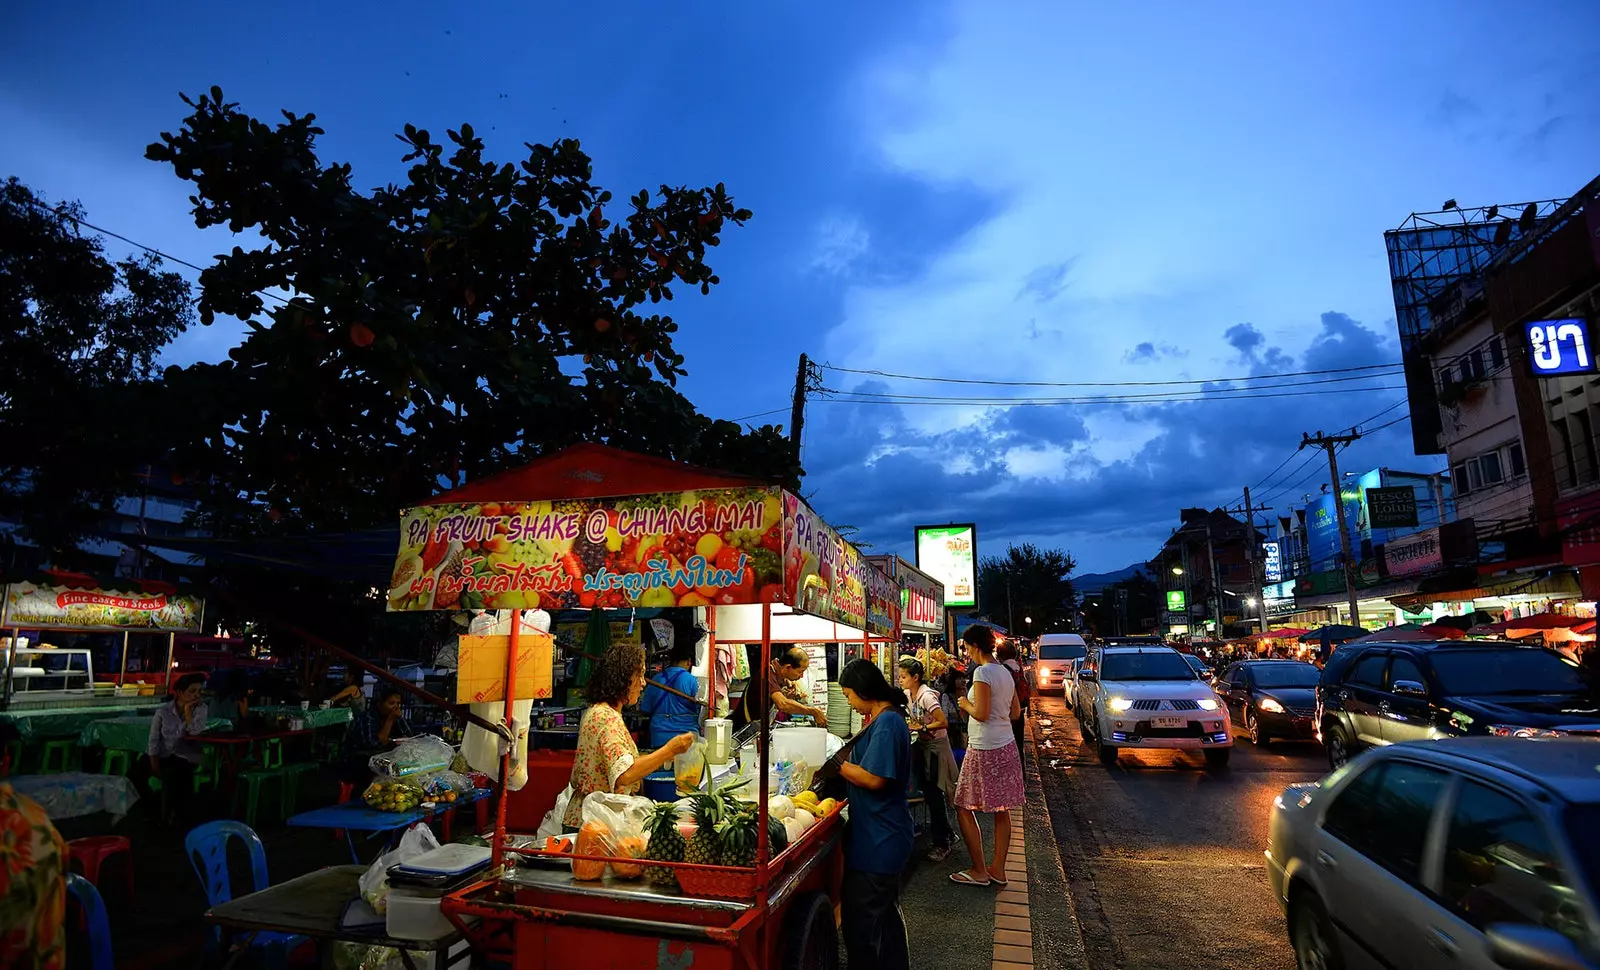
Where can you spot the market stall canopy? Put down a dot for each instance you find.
(596, 527)
(1542, 621)
(1411, 633)
(1287, 633)
(1333, 633)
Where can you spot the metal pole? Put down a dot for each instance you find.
(172, 641)
(11, 658)
(122, 675)
(765, 733)
(498, 843)
(1211, 579)
(1250, 551)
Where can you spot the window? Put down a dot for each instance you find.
(1459, 476)
(1591, 463)
(1384, 813)
(1560, 424)
(1489, 471)
(1369, 671)
(1404, 668)
(1497, 354)
(1519, 465)
(1501, 867)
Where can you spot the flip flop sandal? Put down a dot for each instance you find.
(962, 879)
(1002, 883)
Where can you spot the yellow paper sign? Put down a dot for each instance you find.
(481, 671)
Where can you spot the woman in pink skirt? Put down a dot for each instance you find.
(991, 773)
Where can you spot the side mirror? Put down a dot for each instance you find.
(1409, 688)
(1088, 675)
(1519, 946)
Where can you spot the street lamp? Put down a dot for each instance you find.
(1028, 620)
(1177, 570)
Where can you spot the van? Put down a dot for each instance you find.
(1053, 659)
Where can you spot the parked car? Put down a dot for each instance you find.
(1271, 698)
(1380, 693)
(1149, 697)
(1200, 669)
(1469, 853)
(1054, 654)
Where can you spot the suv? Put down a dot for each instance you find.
(1468, 852)
(1374, 694)
(1053, 657)
(1149, 697)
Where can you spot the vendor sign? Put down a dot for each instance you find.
(57, 607)
(481, 674)
(713, 547)
(822, 574)
(921, 596)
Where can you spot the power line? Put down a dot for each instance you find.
(1393, 368)
(855, 397)
(1200, 394)
(759, 414)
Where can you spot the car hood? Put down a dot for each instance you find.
(1302, 697)
(1161, 689)
(1534, 710)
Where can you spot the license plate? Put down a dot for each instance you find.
(1168, 722)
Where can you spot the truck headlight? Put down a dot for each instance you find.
(1120, 704)
(1207, 703)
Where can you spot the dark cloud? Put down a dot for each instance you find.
(1047, 282)
(1148, 352)
(1244, 338)
(1454, 109)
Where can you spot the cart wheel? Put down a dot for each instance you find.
(813, 938)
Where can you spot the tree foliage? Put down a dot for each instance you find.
(469, 317)
(79, 340)
(1029, 582)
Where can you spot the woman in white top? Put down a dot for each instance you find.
(991, 773)
(935, 762)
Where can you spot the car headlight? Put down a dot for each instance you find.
(1207, 703)
(1119, 704)
(1517, 731)
(1270, 705)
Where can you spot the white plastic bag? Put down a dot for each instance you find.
(421, 755)
(374, 882)
(551, 826)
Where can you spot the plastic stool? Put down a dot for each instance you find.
(272, 753)
(291, 783)
(249, 785)
(347, 791)
(89, 853)
(65, 748)
(117, 761)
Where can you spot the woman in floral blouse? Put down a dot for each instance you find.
(33, 886)
(607, 759)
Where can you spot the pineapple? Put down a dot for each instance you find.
(704, 849)
(737, 833)
(666, 845)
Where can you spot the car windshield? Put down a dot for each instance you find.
(1286, 675)
(1061, 651)
(1516, 670)
(1155, 665)
(1581, 821)
(1194, 662)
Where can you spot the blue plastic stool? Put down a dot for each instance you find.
(94, 914)
(207, 848)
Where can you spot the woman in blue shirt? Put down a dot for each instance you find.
(671, 715)
(877, 777)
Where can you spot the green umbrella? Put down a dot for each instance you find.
(596, 641)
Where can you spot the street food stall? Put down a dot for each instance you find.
(593, 527)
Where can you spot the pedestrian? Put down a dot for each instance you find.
(1006, 653)
(934, 760)
(877, 776)
(991, 773)
(173, 757)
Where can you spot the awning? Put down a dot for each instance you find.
(1563, 583)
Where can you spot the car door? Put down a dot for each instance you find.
(1087, 689)
(1498, 864)
(1237, 690)
(1370, 852)
(1361, 692)
(1407, 716)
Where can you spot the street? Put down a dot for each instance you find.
(1163, 857)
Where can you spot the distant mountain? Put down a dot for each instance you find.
(1094, 582)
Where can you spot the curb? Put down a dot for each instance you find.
(1059, 940)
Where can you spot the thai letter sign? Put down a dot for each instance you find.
(57, 607)
(1559, 347)
(1413, 554)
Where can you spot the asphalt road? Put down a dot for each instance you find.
(1162, 856)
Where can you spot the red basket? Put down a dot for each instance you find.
(737, 884)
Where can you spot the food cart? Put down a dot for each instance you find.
(598, 528)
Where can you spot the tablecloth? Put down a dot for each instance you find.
(131, 733)
(78, 793)
(315, 718)
(65, 722)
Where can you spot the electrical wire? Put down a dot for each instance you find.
(759, 414)
(1394, 369)
(854, 397)
(1191, 393)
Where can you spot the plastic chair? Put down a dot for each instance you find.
(207, 848)
(89, 853)
(94, 916)
(58, 756)
(248, 785)
(272, 753)
(117, 761)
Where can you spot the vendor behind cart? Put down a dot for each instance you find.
(607, 759)
(671, 715)
(373, 731)
(789, 664)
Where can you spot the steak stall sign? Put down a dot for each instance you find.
(30, 606)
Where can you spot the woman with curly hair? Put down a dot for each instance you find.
(607, 759)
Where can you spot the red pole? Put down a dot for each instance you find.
(498, 844)
(762, 845)
(711, 659)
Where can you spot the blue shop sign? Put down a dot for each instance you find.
(1559, 347)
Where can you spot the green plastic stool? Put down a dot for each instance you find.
(248, 784)
(210, 770)
(58, 756)
(271, 752)
(291, 784)
(117, 761)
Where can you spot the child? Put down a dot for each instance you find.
(877, 776)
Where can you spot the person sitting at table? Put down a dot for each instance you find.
(353, 694)
(232, 689)
(671, 715)
(173, 757)
(607, 758)
(374, 730)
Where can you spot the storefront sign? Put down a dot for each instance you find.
(1413, 554)
(1393, 507)
(1175, 600)
(883, 599)
(56, 607)
(949, 553)
(921, 596)
(1559, 347)
(1272, 558)
(823, 574)
(1322, 528)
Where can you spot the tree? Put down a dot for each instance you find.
(79, 339)
(1029, 582)
(473, 316)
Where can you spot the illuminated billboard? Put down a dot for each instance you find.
(949, 553)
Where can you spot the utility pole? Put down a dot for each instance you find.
(806, 379)
(1215, 604)
(1249, 513)
(1328, 443)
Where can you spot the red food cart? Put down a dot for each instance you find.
(598, 528)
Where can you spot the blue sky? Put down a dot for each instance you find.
(1009, 191)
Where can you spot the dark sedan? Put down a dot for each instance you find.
(1273, 699)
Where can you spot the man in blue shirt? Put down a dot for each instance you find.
(671, 715)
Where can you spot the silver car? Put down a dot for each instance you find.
(1460, 853)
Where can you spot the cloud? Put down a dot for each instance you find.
(1047, 282)
(839, 245)
(1244, 338)
(1148, 352)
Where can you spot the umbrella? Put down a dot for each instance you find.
(1333, 633)
(1287, 633)
(1467, 622)
(1443, 631)
(1399, 633)
(1543, 621)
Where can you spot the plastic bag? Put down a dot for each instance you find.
(552, 819)
(414, 756)
(374, 882)
(443, 787)
(613, 825)
(393, 794)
